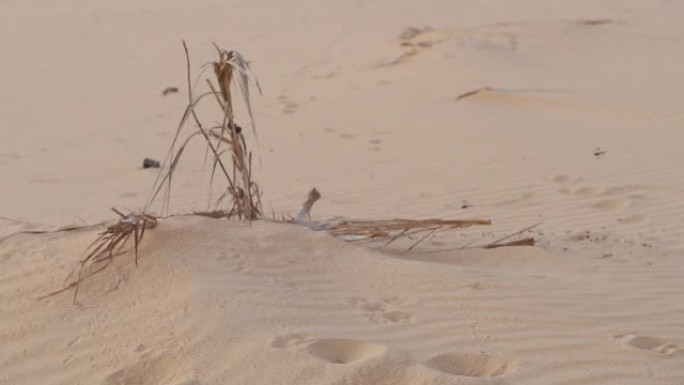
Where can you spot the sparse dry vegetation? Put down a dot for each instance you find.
(108, 245)
(232, 161)
(235, 163)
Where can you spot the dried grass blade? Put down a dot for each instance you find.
(493, 244)
(136, 242)
(521, 242)
(426, 236)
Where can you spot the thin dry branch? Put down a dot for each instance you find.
(395, 228)
(108, 245)
(391, 225)
(521, 242)
(498, 243)
(305, 212)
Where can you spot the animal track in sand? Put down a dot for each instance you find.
(374, 144)
(472, 365)
(607, 203)
(638, 218)
(287, 104)
(399, 316)
(155, 371)
(499, 36)
(343, 351)
(561, 179)
(589, 190)
(651, 344)
(384, 310)
(612, 204)
(292, 340)
(238, 263)
(481, 286)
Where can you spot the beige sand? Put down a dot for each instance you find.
(373, 120)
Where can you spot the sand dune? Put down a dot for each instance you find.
(567, 115)
(213, 300)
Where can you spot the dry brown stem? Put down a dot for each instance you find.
(305, 212)
(109, 244)
(245, 196)
(396, 228)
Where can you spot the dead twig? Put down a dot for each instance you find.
(305, 212)
(521, 242)
(473, 92)
(108, 245)
(395, 228)
(498, 243)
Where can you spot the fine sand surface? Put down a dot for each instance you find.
(420, 109)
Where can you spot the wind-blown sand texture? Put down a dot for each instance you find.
(417, 109)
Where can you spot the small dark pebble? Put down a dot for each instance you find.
(238, 129)
(150, 163)
(598, 151)
(169, 90)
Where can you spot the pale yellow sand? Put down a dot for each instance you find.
(215, 302)
(374, 121)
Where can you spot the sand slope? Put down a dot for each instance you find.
(214, 302)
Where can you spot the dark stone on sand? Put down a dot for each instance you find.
(169, 90)
(150, 163)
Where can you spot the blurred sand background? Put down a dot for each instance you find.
(361, 100)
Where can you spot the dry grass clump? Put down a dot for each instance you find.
(230, 156)
(233, 163)
(232, 160)
(108, 245)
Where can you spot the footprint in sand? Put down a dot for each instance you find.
(612, 204)
(288, 106)
(605, 204)
(344, 351)
(333, 350)
(589, 190)
(561, 179)
(565, 181)
(161, 370)
(374, 144)
(479, 286)
(236, 262)
(384, 310)
(651, 344)
(499, 36)
(292, 340)
(472, 365)
(637, 218)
